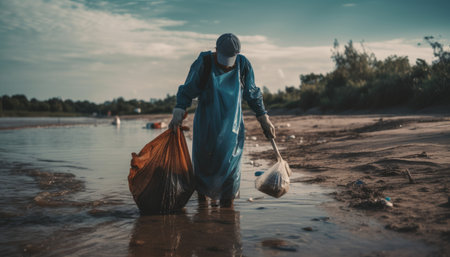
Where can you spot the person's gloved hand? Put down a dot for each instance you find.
(267, 126)
(177, 118)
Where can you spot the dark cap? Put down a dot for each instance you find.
(228, 46)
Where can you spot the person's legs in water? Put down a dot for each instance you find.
(226, 203)
(202, 201)
(201, 197)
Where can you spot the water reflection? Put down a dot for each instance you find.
(209, 232)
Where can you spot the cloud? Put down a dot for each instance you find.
(281, 73)
(63, 48)
(349, 5)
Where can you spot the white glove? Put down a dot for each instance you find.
(177, 118)
(267, 126)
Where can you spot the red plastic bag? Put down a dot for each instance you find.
(161, 177)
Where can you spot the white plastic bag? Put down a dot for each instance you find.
(275, 181)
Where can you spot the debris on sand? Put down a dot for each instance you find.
(316, 179)
(368, 204)
(321, 219)
(413, 227)
(390, 172)
(361, 146)
(423, 155)
(411, 180)
(363, 196)
(387, 203)
(251, 199)
(279, 244)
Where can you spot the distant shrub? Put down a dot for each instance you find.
(359, 81)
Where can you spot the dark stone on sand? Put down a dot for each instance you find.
(321, 219)
(423, 155)
(309, 229)
(215, 249)
(369, 204)
(287, 248)
(316, 179)
(98, 213)
(279, 244)
(403, 228)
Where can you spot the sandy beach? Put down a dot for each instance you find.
(366, 158)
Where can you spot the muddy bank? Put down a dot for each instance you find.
(59, 201)
(396, 169)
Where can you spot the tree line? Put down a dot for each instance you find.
(358, 81)
(361, 81)
(19, 104)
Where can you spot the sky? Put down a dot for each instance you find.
(101, 50)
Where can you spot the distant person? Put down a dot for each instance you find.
(220, 80)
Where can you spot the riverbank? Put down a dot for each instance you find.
(360, 159)
(367, 158)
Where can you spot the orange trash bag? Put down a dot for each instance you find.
(161, 177)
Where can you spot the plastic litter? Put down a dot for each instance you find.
(258, 173)
(359, 182)
(387, 203)
(156, 125)
(161, 177)
(275, 181)
(116, 121)
(251, 199)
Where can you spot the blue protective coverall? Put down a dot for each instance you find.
(219, 132)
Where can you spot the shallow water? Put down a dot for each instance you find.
(18, 122)
(65, 192)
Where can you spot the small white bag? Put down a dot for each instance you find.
(275, 181)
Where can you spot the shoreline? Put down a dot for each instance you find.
(49, 122)
(365, 158)
(336, 151)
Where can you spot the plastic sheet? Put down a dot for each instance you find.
(219, 133)
(161, 177)
(275, 182)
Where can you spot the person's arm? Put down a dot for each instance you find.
(190, 89)
(186, 92)
(252, 94)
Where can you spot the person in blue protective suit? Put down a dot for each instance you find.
(218, 137)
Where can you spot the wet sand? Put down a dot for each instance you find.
(365, 159)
